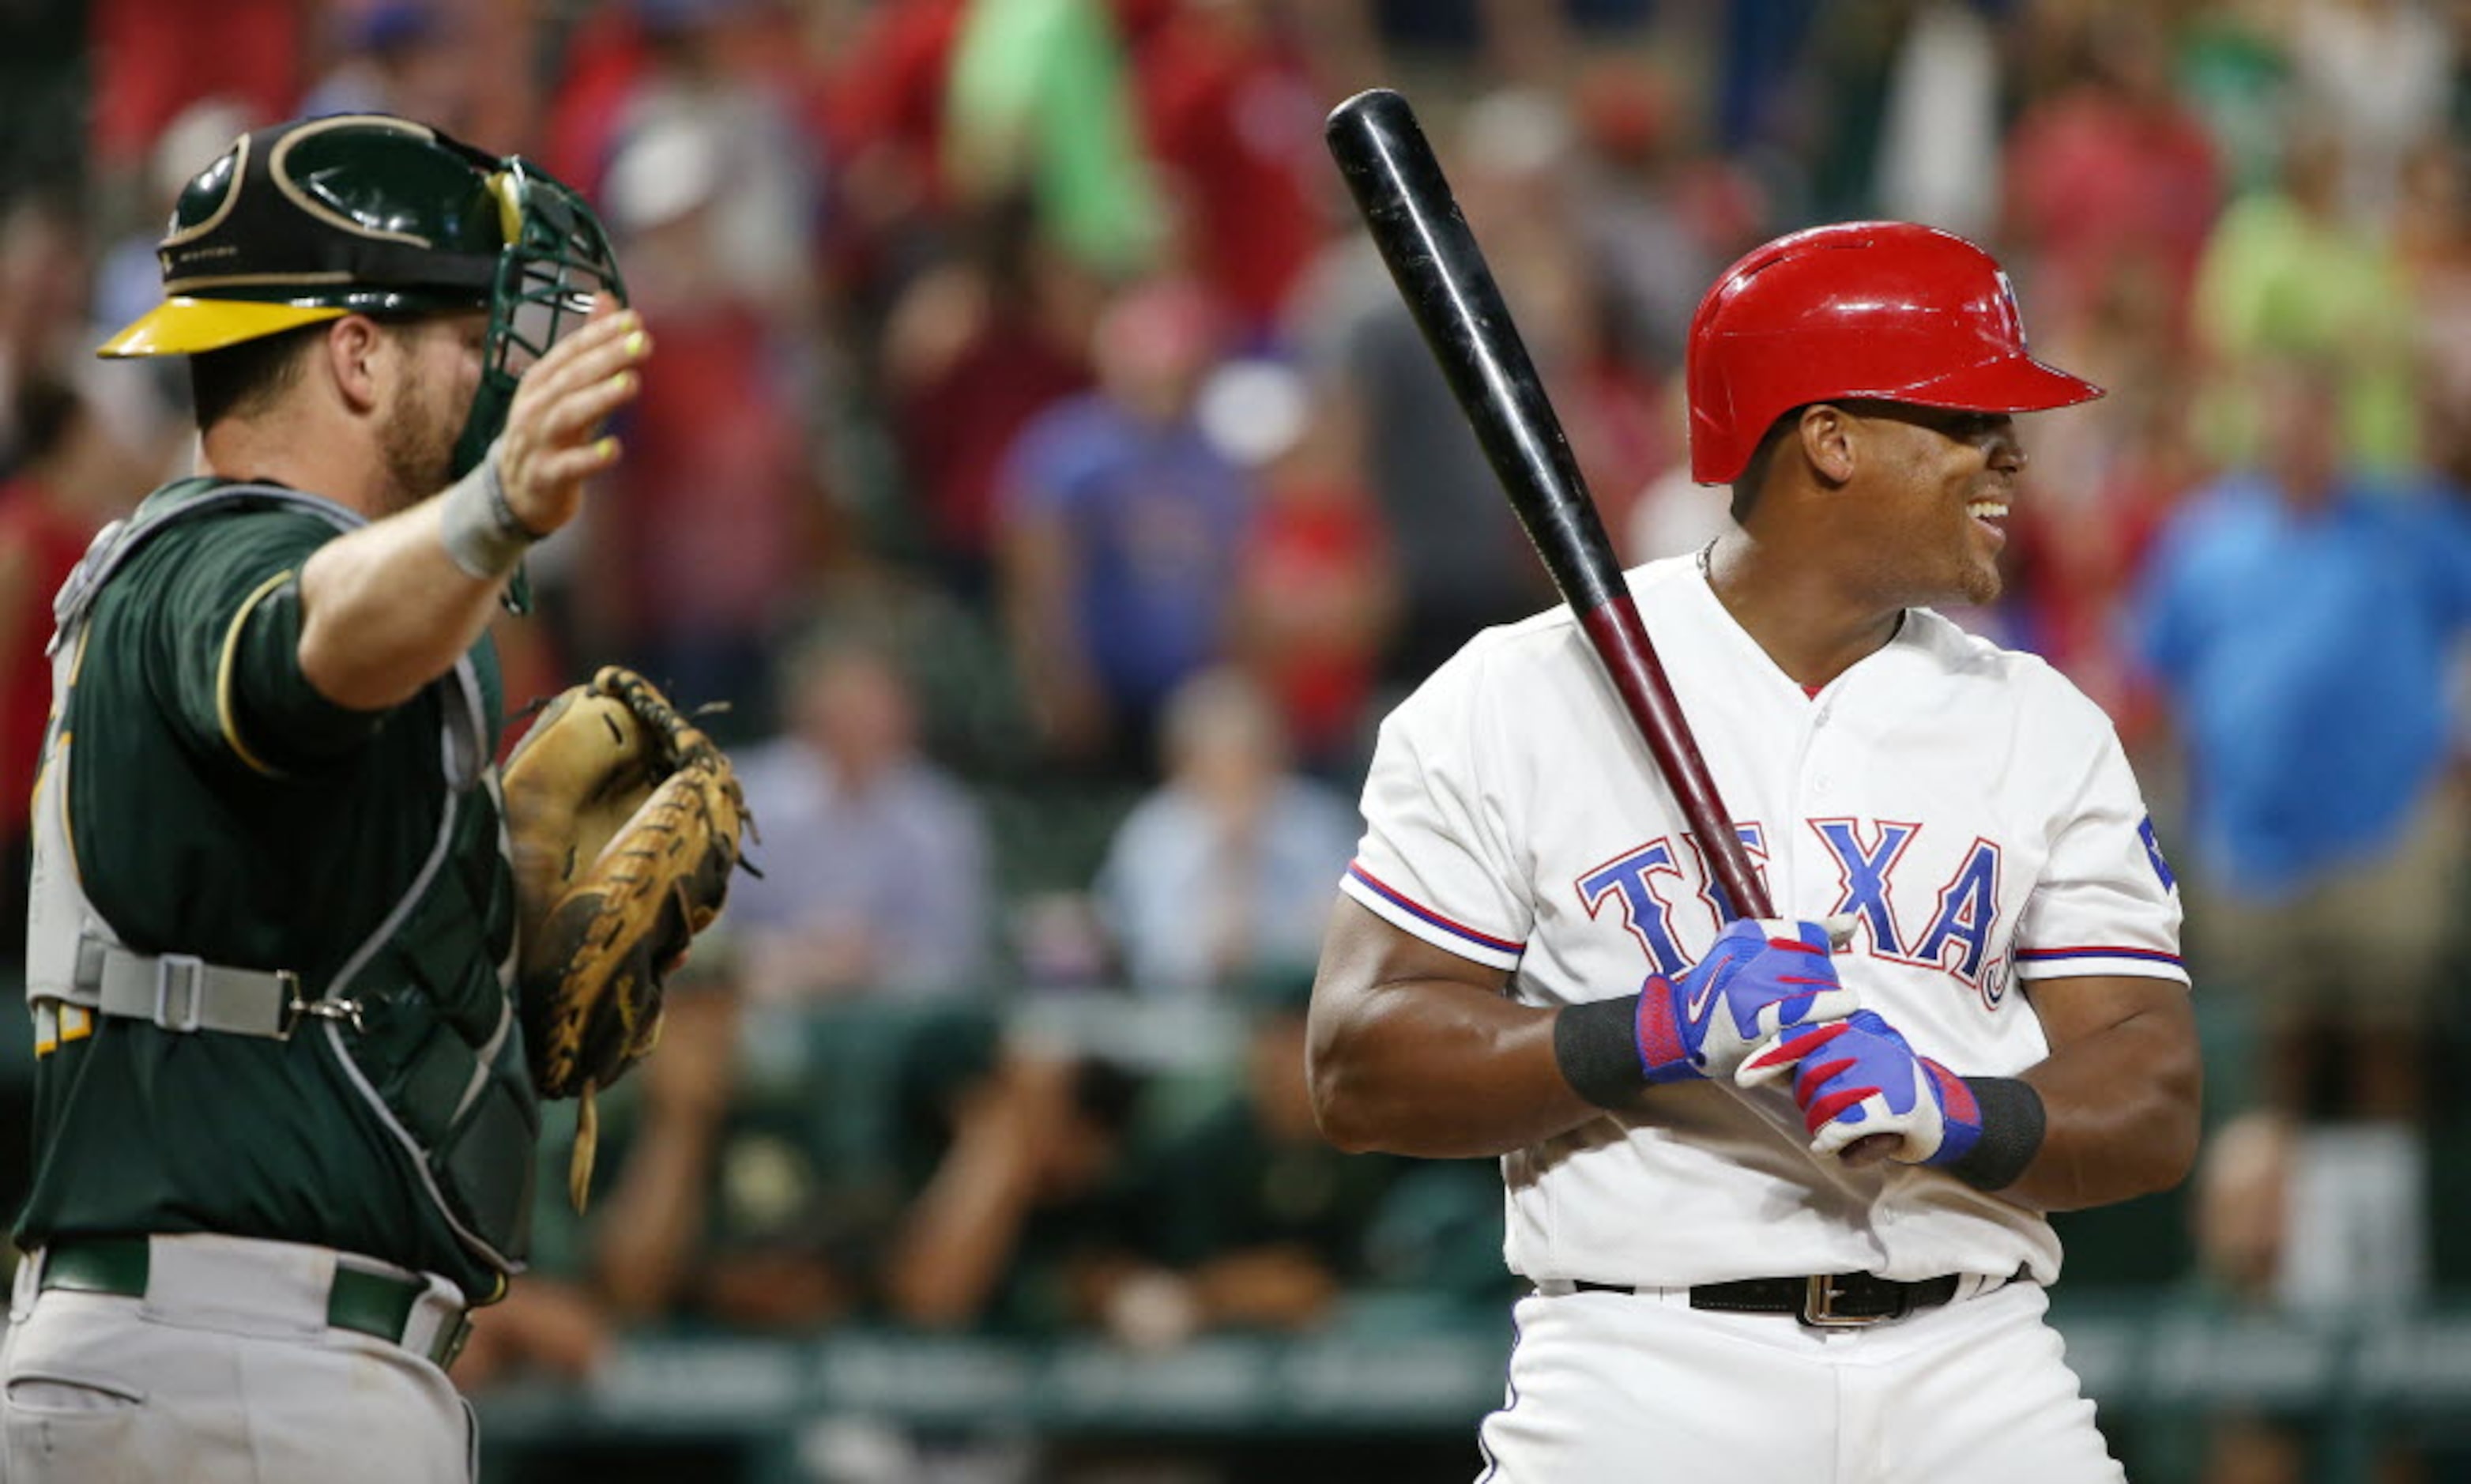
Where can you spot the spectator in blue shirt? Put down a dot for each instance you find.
(1120, 522)
(1220, 878)
(875, 862)
(2303, 620)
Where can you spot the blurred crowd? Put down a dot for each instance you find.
(1041, 469)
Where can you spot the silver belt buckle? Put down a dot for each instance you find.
(1819, 1296)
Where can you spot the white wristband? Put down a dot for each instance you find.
(478, 527)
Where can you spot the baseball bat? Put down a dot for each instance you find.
(1440, 272)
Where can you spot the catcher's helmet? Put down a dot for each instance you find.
(1883, 309)
(367, 214)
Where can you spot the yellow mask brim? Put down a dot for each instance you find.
(182, 326)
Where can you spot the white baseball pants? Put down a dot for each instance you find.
(1623, 1388)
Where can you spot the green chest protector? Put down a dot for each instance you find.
(430, 1043)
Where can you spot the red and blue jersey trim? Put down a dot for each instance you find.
(2058, 954)
(1423, 913)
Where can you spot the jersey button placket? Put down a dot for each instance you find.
(1811, 783)
(1822, 783)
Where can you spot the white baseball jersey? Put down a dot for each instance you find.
(1966, 804)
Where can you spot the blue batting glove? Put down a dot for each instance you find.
(1758, 980)
(1859, 1076)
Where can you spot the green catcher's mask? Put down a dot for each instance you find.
(369, 214)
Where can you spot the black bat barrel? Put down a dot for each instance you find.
(1448, 289)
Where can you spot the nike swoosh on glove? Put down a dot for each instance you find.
(1859, 1076)
(1759, 979)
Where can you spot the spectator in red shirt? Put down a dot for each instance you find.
(880, 111)
(2111, 175)
(973, 350)
(1236, 128)
(1316, 593)
(700, 546)
(70, 480)
(150, 63)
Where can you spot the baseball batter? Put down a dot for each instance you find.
(284, 1126)
(1733, 1281)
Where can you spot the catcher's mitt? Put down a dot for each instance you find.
(625, 822)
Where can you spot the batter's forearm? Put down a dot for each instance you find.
(1441, 1071)
(2120, 1113)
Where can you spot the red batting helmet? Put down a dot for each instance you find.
(1882, 310)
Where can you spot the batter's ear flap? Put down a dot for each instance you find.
(1829, 435)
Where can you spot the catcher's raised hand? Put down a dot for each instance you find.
(553, 439)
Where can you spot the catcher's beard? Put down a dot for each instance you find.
(417, 444)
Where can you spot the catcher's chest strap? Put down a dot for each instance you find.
(181, 992)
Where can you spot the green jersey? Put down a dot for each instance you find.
(215, 805)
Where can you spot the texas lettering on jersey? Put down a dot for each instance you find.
(1943, 919)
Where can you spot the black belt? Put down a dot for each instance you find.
(364, 1303)
(1823, 1301)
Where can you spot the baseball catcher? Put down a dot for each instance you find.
(625, 822)
(286, 1111)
